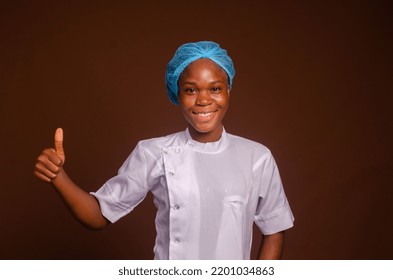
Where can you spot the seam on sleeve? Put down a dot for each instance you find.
(142, 153)
(116, 201)
(273, 214)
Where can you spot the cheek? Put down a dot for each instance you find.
(186, 102)
(222, 100)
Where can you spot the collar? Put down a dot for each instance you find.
(209, 147)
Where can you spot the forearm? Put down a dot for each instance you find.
(82, 205)
(271, 246)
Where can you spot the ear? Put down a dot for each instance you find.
(229, 92)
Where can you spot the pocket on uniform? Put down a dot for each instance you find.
(235, 201)
(230, 239)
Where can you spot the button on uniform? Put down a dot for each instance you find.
(176, 207)
(175, 240)
(173, 158)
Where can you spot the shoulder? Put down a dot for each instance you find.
(238, 142)
(261, 157)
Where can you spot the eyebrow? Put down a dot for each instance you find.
(194, 83)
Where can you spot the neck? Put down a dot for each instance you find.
(203, 137)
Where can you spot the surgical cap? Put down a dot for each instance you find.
(190, 52)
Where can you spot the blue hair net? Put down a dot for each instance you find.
(190, 52)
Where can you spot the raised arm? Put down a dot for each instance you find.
(49, 168)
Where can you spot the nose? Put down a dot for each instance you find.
(203, 98)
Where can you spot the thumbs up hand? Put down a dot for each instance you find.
(50, 162)
(59, 144)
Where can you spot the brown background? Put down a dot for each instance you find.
(313, 83)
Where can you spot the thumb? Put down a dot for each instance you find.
(59, 143)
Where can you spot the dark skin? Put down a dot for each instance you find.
(204, 97)
(271, 246)
(49, 168)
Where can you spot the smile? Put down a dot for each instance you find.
(204, 114)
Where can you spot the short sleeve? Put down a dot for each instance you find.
(273, 213)
(122, 193)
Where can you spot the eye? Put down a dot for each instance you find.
(190, 90)
(215, 89)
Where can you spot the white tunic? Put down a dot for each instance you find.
(207, 194)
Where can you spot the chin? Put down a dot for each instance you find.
(205, 129)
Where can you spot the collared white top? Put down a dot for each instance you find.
(207, 194)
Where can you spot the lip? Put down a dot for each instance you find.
(205, 115)
(204, 112)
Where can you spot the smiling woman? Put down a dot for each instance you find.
(189, 53)
(209, 186)
(204, 96)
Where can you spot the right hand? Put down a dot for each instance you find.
(50, 162)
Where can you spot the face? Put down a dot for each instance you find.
(203, 97)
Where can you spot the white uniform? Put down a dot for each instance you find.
(207, 194)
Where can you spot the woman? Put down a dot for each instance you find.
(209, 186)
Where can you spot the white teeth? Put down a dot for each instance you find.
(204, 114)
